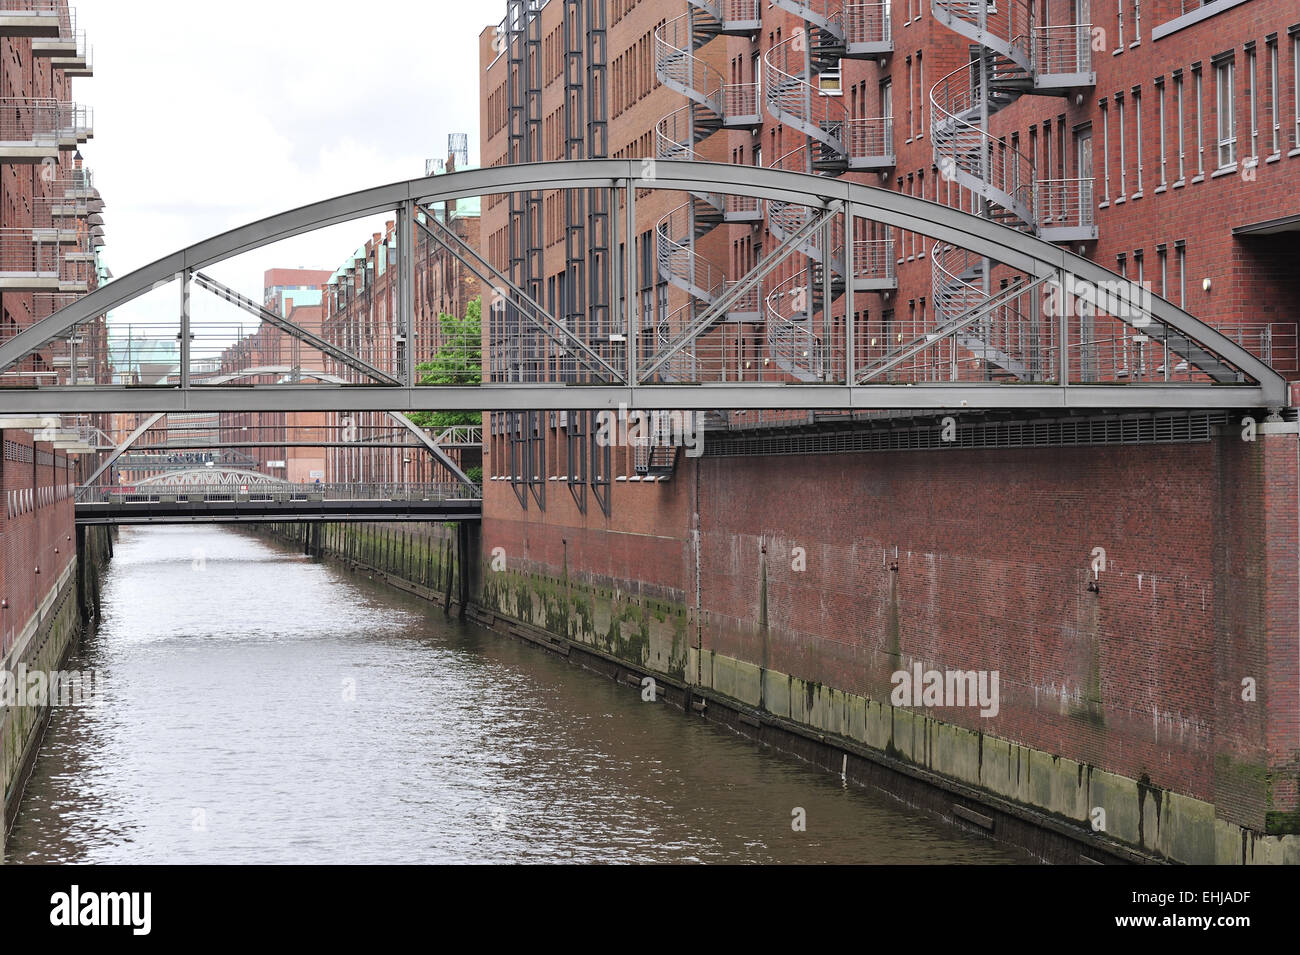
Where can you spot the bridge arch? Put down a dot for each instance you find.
(1252, 382)
(210, 477)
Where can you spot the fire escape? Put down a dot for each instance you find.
(801, 90)
(1013, 55)
(713, 105)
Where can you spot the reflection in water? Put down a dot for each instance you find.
(260, 707)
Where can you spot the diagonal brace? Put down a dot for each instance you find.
(551, 326)
(720, 305)
(289, 328)
(1012, 291)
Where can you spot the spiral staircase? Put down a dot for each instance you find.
(1014, 56)
(712, 105)
(845, 30)
(797, 96)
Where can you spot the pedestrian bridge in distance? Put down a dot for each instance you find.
(213, 496)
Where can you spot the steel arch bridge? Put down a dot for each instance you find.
(212, 477)
(1034, 327)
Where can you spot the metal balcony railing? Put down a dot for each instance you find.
(1063, 49)
(870, 139)
(29, 122)
(22, 257)
(873, 260)
(867, 24)
(1066, 203)
(76, 124)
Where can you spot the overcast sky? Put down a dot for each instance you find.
(208, 116)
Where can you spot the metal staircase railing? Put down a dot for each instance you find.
(977, 160)
(793, 97)
(678, 68)
(792, 344)
(785, 219)
(850, 29)
(678, 261)
(990, 323)
(1004, 27)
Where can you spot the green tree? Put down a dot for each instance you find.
(458, 361)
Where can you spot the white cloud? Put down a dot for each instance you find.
(211, 116)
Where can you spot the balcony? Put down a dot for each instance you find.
(65, 42)
(33, 18)
(79, 64)
(873, 265)
(1067, 210)
(870, 142)
(28, 265)
(29, 130)
(76, 125)
(77, 268)
(1062, 57)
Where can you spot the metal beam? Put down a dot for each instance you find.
(292, 330)
(558, 397)
(131, 439)
(554, 329)
(406, 292)
(433, 448)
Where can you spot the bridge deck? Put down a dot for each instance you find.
(178, 509)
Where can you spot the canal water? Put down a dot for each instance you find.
(255, 706)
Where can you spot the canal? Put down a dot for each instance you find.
(256, 706)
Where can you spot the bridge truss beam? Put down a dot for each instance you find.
(1229, 376)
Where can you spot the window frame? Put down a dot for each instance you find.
(1225, 107)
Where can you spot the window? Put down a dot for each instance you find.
(1180, 250)
(1274, 91)
(1160, 103)
(1223, 79)
(1105, 154)
(828, 81)
(1253, 101)
(1295, 73)
(1200, 122)
(1137, 22)
(1119, 29)
(1178, 97)
(909, 99)
(1123, 157)
(1137, 136)
(920, 97)
(1162, 256)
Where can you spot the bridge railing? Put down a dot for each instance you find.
(273, 493)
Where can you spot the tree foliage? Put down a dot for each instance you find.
(458, 361)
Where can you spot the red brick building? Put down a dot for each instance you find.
(358, 300)
(51, 230)
(805, 559)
